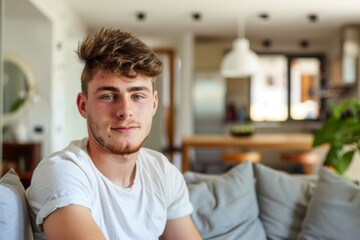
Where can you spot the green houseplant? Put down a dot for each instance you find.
(341, 131)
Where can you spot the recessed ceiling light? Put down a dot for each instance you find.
(304, 43)
(141, 16)
(266, 43)
(264, 16)
(196, 16)
(312, 17)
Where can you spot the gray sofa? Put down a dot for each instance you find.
(255, 202)
(249, 202)
(14, 215)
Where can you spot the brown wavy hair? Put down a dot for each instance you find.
(116, 51)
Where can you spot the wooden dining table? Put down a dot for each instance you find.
(282, 141)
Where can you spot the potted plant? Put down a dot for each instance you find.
(341, 132)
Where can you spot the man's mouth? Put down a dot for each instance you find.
(124, 129)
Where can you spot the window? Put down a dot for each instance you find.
(304, 88)
(269, 89)
(286, 87)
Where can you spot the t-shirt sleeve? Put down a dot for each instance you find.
(179, 204)
(57, 182)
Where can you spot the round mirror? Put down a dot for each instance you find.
(19, 88)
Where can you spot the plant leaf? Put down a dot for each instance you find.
(327, 133)
(340, 109)
(345, 162)
(17, 104)
(342, 129)
(332, 156)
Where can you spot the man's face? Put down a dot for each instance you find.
(119, 111)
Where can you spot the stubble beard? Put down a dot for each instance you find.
(113, 148)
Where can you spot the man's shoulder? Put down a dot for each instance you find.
(72, 157)
(74, 150)
(156, 160)
(151, 153)
(152, 156)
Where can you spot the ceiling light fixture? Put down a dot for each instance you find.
(240, 62)
(312, 18)
(266, 43)
(264, 16)
(196, 16)
(141, 16)
(304, 43)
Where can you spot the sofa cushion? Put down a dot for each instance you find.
(14, 217)
(334, 210)
(283, 200)
(225, 205)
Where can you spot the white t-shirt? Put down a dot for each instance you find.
(67, 177)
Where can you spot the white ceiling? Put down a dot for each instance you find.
(288, 20)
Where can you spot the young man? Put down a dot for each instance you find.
(106, 186)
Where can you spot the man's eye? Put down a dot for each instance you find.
(138, 97)
(108, 97)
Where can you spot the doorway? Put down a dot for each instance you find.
(161, 137)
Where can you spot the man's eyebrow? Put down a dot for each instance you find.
(138, 88)
(115, 89)
(107, 88)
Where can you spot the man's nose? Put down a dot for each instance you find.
(124, 109)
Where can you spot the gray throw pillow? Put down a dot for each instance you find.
(225, 205)
(283, 200)
(334, 210)
(14, 215)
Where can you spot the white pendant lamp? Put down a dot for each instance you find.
(240, 62)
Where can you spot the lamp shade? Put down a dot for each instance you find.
(240, 61)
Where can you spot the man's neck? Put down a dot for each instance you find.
(120, 169)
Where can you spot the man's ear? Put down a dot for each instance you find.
(81, 104)
(156, 102)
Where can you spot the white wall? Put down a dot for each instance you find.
(67, 29)
(75, 124)
(185, 123)
(46, 35)
(29, 38)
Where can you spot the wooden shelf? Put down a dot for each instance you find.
(25, 175)
(23, 157)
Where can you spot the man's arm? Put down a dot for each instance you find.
(181, 229)
(71, 223)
